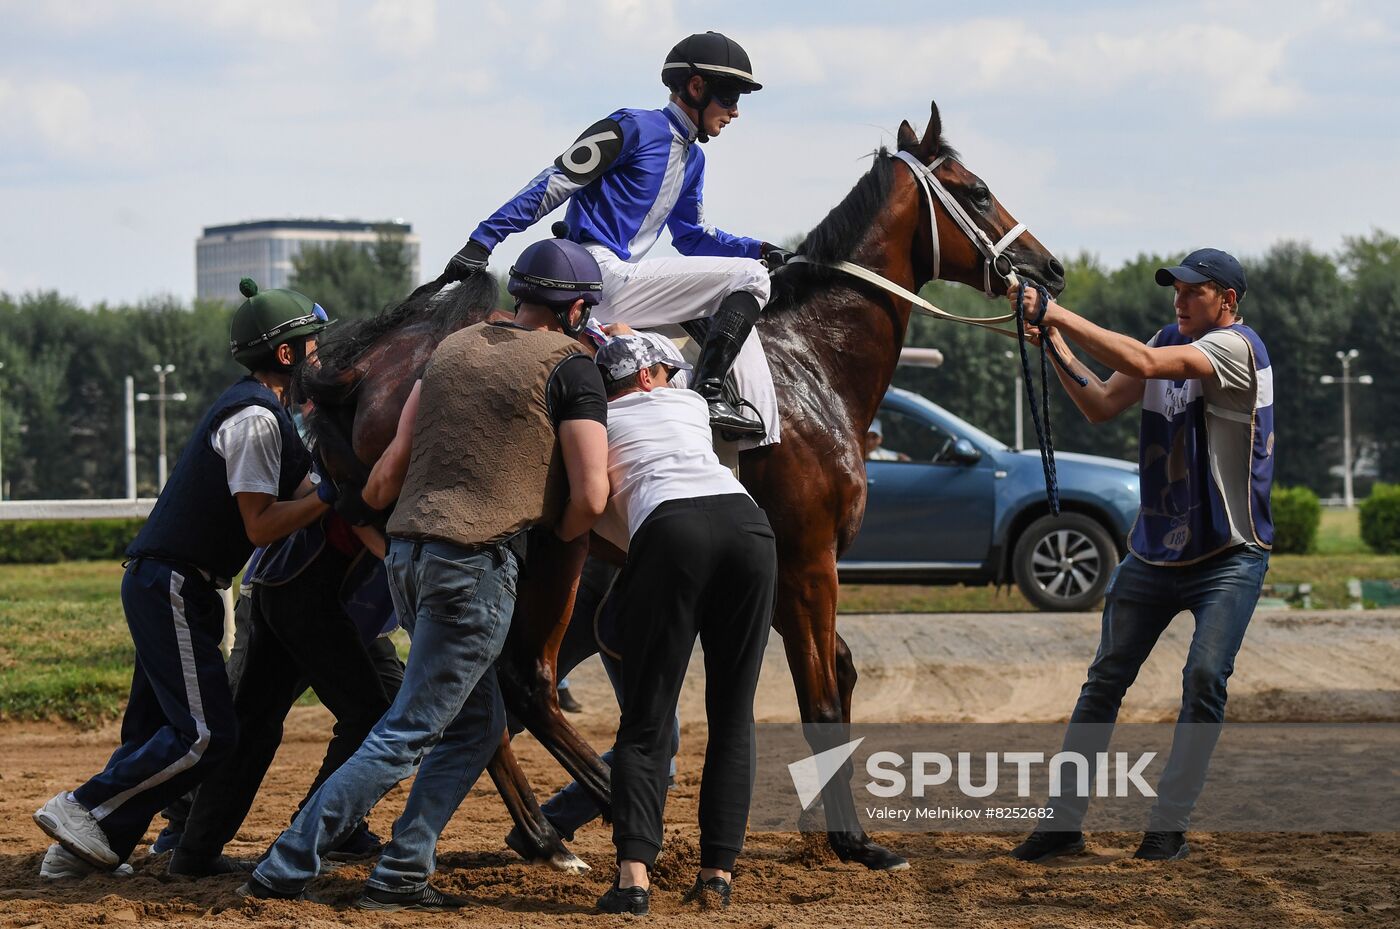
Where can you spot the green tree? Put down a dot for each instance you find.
(352, 280)
(1372, 267)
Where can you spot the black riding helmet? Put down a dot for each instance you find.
(271, 318)
(720, 60)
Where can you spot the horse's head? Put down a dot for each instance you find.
(964, 255)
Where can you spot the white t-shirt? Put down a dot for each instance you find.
(659, 448)
(250, 443)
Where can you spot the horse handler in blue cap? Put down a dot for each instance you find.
(1203, 533)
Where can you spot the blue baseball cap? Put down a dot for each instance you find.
(1206, 264)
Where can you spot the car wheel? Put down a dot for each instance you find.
(1064, 562)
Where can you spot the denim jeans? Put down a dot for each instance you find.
(448, 714)
(1142, 599)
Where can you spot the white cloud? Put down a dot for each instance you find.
(403, 26)
(56, 118)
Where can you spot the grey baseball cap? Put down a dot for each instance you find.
(624, 355)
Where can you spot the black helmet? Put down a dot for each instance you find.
(268, 319)
(556, 272)
(715, 57)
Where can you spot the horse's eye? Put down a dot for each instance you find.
(982, 195)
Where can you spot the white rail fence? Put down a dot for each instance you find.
(139, 508)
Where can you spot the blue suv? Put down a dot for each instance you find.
(946, 503)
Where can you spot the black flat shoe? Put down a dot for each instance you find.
(710, 895)
(257, 890)
(635, 901)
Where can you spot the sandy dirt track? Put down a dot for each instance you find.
(987, 668)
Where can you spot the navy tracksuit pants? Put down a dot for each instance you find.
(179, 720)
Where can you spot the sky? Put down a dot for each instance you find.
(1111, 128)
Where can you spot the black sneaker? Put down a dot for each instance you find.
(1163, 846)
(1042, 845)
(257, 890)
(568, 703)
(633, 900)
(710, 895)
(357, 846)
(184, 863)
(428, 899)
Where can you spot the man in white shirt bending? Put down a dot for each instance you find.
(701, 562)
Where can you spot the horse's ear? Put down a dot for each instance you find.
(907, 139)
(933, 135)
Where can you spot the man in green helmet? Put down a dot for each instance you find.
(239, 483)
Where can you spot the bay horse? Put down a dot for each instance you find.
(832, 342)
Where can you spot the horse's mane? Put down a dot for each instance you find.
(836, 236)
(445, 306)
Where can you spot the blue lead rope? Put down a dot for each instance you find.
(1041, 415)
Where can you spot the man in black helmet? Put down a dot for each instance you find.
(506, 430)
(235, 486)
(636, 171)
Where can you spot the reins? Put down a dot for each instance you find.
(993, 259)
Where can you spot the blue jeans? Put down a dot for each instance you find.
(573, 807)
(448, 714)
(1221, 592)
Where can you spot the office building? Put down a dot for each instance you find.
(264, 249)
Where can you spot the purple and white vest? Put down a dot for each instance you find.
(1182, 517)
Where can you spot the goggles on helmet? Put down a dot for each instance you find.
(317, 315)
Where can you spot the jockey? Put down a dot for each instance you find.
(632, 173)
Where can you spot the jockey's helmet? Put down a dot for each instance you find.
(270, 318)
(556, 272)
(720, 60)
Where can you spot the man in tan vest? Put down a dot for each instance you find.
(506, 430)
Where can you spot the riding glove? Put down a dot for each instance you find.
(774, 256)
(470, 259)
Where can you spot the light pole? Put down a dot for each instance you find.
(1020, 423)
(160, 397)
(1346, 380)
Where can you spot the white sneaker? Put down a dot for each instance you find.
(70, 824)
(60, 863)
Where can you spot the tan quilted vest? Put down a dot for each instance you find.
(486, 461)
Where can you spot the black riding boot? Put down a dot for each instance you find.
(729, 327)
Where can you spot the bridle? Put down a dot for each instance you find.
(993, 253)
(994, 257)
(994, 261)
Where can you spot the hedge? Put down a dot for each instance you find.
(1296, 515)
(1380, 519)
(44, 541)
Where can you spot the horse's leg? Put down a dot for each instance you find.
(519, 797)
(824, 675)
(845, 676)
(526, 667)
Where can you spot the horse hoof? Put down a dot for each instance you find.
(570, 863)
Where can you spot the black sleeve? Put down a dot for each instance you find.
(576, 391)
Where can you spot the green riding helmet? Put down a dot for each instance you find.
(268, 319)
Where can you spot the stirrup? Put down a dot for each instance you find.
(730, 420)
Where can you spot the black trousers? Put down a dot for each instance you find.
(699, 567)
(300, 637)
